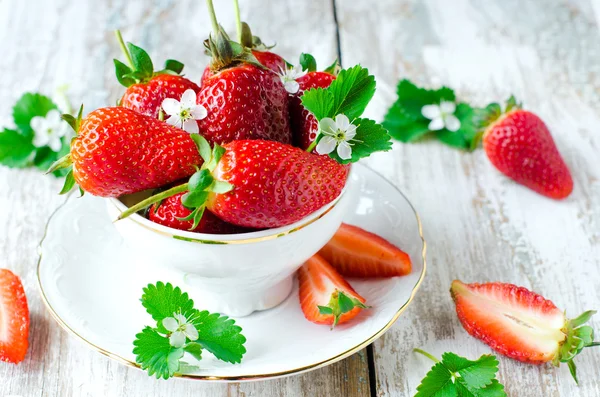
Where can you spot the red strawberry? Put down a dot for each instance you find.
(304, 125)
(355, 252)
(519, 323)
(519, 144)
(268, 59)
(146, 89)
(14, 318)
(244, 102)
(274, 184)
(325, 297)
(118, 151)
(167, 212)
(146, 98)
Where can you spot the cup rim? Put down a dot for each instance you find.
(239, 238)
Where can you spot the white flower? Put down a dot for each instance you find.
(49, 130)
(180, 329)
(289, 76)
(337, 133)
(184, 113)
(441, 116)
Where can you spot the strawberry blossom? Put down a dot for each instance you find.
(337, 133)
(180, 328)
(49, 130)
(441, 116)
(289, 76)
(184, 113)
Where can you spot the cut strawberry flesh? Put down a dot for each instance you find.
(14, 318)
(511, 320)
(355, 252)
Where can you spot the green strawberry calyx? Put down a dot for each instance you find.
(488, 116)
(340, 303)
(139, 67)
(198, 188)
(577, 337)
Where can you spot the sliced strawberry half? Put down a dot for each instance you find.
(325, 297)
(521, 324)
(14, 318)
(355, 252)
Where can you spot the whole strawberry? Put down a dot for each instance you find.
(520, 146)
(118, 151)
(521, 324)
(304, 125)
(172, 213)
(146, 89)
(257, 184)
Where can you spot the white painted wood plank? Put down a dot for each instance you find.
(49, 43)
(479, 225)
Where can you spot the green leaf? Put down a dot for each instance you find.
(319, 102)
(437, 382)
(174, 66)
(198, 214)
(29, 106)
(44, 158)
(121, 71)
(155, 354)
(141, 61)
(413, 98)
(404, 126)
(308, 62)
(221, 187)
(334, 68)
(219, 335)
(494, 389)
(477, 373)
(582, 318)
(69, 183)
(194, 199)
(352, 90)
(16, 150)
(325, 310)
(200, 180)
(370, 138)
(195, 349)
(163, 300)
(203, 146)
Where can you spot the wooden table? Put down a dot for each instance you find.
(480, 226)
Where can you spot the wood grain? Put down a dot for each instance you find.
(480, 226)
(57, 42)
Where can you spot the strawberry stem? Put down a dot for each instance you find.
(429, 356)
(312, 145)
(124, 49)
(213, 17)
(238, 20)
(153, 199)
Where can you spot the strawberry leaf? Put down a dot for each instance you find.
(308, 62)
(29, 106)
(122, 71)
(334, 68)
(319, 102)
(352, 90)
(69, 183)
(174, 66)
(162, 300)
(437, 382)
(220, 335)
(141, 62)
(155, 354)
(195, 349)
(370, 138)
(16, 150)
(403, 125)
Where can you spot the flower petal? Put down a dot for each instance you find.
(447, 107)
(344, 151)
(436, 124)
(327, 125)
(38, 124)
(342, 122)
(291, 86)
(55, 143)
(351, 132)
(452, 123)
(198, 112)
(191, 332)
(171, 106)
(41, 138)
(177, 339)
(188, 99)
(180, 318)
(170, 324)
(326, 145)
(53, 117)
(174, 120)
(191, 126)
(431, 111)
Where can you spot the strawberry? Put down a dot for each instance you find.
(520, 146)
(304, 125)
(146, 89)
(520, 324)
(325, 297)
(268, 59)
(118, 151)
(14, 318)
(257, 184)
(355, 252)
(171, 211)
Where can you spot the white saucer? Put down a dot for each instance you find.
(92, 286)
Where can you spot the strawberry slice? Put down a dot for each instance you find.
(14, 318)
(521, 324)
(325, 297)
(355, 252)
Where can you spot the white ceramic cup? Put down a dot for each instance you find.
(233, 274)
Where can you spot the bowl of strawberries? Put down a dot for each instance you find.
(228, 185)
